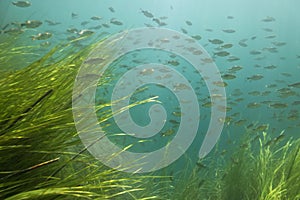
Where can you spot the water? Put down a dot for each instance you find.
(265, 36)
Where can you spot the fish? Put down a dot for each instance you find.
(96, 18)
(189, 23)
(85, 32)
(147, 72)
(268, 19)
(243, 44)
(168, 132)
(51, 23)
(295, 85)
(197, 37)
(232, 58)
(253, 105)
(72, 30)
(296, 103)
(32, 23)
(227, 46)
(177, 114)
(255, 52)
(13, 31)
(21, 4)
(45, 44)
(173, 62)
(267, 29)
(216, 41)
(228, 76)
(230, 17)
(270, 36)
(42, 36)
(220, 83)
(147, 13)
(278, 105)
(84, 23)
(74, 15)
(235, 68)
(111, 9)
(105, 25)
(270, 67)
(254, 93)
(279, 44)
(255, 77)
(116, 22)
(222, 53)
(240, 122)
(228, 30)
(184, 31)
(207, 104)
(262, 127)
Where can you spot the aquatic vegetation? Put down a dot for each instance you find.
(41, 154)
(257, 170)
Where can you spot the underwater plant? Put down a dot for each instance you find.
(41, 154)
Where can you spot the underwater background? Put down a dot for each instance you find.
(254, 44)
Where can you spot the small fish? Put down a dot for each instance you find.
(227, 46)
(253, 105)
(216, 41)
(111, 9)
(268, 19)
(74, 15)
(255, 52)
(72, 30)
(177, 114)
(243, 44)
(240, 122)
(254, 93)
(32, 23)
(220, 83)
(84, 23)
(96, 18)
(270, 36)
(42, 36)
(105, 25)
(279, 44)
(267, 29)
(296, 85)
(14, 31)
(116, 22)
(270, 67)
(173, 62)
(228, 76)
(45, 44)
(262, 127)
(147, 13)
(168, 132)
(85, 32)
(52, 23)
(207, 104)
(255, 77)
(189, 23)
(296, 103)
(232, 58)
(222, 53)
(228, 30)
(184, 31)
(22, 4)
(278, 105)
(230, 17)
(235, 68)
(197, 37)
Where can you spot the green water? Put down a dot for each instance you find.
(261, 37)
